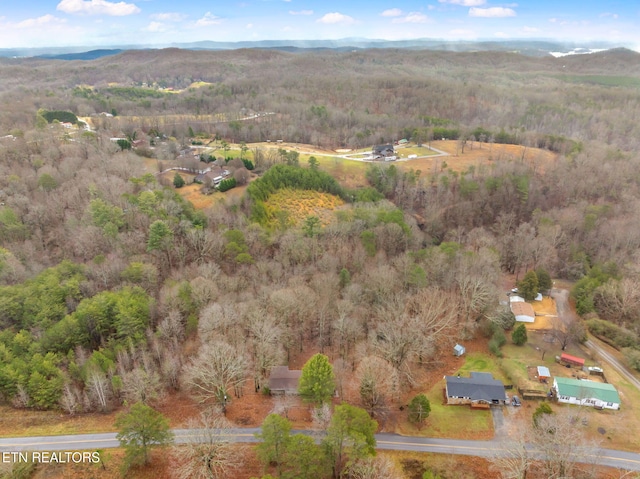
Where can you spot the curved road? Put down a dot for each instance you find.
(93, 442)
(613, 362)
(566, 314)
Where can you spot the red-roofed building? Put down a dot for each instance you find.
(572, 360)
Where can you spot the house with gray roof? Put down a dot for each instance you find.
(383, 151)
(283, 380)
(480, 388)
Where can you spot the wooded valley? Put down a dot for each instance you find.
(115, 290)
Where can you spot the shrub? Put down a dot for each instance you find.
(248, 164)
(544, 280)
(124, 144)
(419, 409)
(519, 335)
(616, 336)
(544, 408)
(497, 341)
(178, 181)
(494, 347)
(528, 287)
(632, 356)
(499, 337)
(227, 184)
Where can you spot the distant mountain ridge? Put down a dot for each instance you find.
(90, 55)
(536, 48)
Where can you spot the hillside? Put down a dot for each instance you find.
(115, 288)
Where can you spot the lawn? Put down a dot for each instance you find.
(482, 363)
(612, 429)
(458, 422)
(404, 152)
(349, 173)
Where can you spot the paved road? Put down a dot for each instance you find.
(613, 362)
(565, 313)
(606, 457)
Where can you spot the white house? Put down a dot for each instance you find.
(523, 312)
(586, 393)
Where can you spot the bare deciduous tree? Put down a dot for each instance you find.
(209, 454)
(378, 384)
(569, 331)
(266, 340)
(410, 327)
(141, 385)
(563, 445)
(217, 368)
(99, 391)
(513, 460)
(71, 400)
(376, 467)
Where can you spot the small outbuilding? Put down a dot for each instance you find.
(571, 360)
(458, 350)
(543, 374)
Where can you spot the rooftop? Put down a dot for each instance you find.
(480, 386)
(544, 372)
(284, 379)
(571, 359)
(583, 389)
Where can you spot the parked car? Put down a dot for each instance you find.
(515, 401)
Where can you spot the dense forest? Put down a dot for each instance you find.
(114, 289)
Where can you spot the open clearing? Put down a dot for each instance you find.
(296, 205)
(351, 173)
(481, 155)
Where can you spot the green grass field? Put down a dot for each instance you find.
(460, 422)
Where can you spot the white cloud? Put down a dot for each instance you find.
(335, 17)
(249, 26)
(500, 35)
(493, 12)
(413, 17)
(155, 27)
(97, 7)
(301, 12)
(465, 3)
(208, 20)
(607, 14)
(392, 12)
(530, 29)
(169, 17)
(40, 21)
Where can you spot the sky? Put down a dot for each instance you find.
(100, 23)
